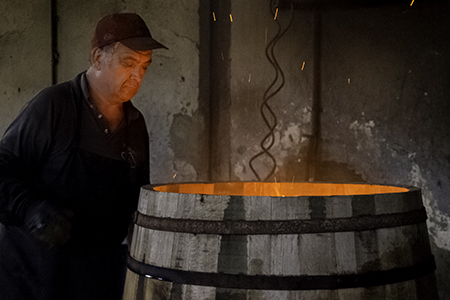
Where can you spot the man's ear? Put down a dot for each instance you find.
(96, 57)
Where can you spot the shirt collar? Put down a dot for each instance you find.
(85, 87)
(131, 112)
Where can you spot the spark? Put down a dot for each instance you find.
(231, 18)
(348, 80)
(276, 188)
(293, 178)
(276, 13)
(214, 16)
(303, 66)
(174, 175)
(412, 3)
(249, 77)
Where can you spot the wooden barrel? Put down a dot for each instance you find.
(274, 241)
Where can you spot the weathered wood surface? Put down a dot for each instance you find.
(279, 255)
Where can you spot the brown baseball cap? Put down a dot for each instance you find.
(127, 28)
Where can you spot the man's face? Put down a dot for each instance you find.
(123, 72)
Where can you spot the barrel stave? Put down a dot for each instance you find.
(308, 254)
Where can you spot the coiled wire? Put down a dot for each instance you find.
(270, 118)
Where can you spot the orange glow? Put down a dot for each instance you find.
(277, 189)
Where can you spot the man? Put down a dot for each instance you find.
(71, 166)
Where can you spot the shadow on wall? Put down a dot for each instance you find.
(185, 131)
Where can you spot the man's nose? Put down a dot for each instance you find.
(138, 73)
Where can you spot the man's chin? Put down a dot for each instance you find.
(127, 96)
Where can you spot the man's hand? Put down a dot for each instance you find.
(49, 226)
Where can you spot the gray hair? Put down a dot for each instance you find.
(109, 50)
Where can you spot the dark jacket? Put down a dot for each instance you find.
(57, 151)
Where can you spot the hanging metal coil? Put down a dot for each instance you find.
(267, 113)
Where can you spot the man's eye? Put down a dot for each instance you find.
(127, 64)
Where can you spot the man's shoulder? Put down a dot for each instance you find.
(66, 88)
(58, 94)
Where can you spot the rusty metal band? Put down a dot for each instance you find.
(266, 282)
(241, 227)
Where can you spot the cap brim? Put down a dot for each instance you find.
(142, 43)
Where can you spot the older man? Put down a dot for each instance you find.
(71, 166)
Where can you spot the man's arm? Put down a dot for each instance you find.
(23, 148)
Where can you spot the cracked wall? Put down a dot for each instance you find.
(25, 55)
(385, 74)
(389, 121)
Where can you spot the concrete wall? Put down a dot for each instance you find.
(385, 99)
(390, 122)
(25, 55)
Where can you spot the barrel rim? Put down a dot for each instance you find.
(409, 188)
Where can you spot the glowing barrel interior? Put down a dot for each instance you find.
(279, 189)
